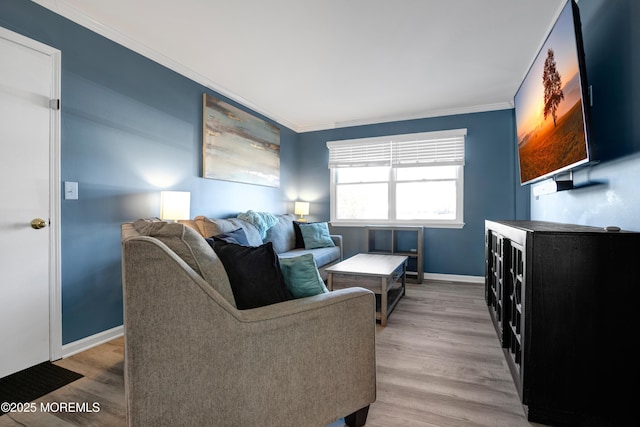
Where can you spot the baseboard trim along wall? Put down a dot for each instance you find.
(91, 341)
(453, 278)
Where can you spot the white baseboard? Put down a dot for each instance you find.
(91, 341)
(453, 278)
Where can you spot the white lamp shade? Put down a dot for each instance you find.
(301, 208)
(175, 205)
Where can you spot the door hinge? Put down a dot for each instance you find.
(54, 104)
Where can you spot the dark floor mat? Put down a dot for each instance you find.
(33, 383)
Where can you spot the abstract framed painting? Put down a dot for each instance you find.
(237, 146)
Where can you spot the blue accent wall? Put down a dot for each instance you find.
(608, 192)
(130, 128)
(491, 186)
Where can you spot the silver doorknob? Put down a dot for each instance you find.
(38, 223)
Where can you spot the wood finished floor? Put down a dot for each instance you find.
(439, 364)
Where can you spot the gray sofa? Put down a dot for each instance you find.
(192, 358)
(282, 235)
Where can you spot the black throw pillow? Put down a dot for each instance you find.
(254, 274)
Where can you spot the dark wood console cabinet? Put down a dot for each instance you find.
(564, 301)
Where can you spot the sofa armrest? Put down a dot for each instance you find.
(320, 349)
(191, 358)
(337, 240)
(302, 305)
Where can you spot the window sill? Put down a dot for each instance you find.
(425, 224)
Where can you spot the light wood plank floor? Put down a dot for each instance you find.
(439, 364)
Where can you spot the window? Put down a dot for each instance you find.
(400, 179)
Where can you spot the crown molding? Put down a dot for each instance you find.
(505, 105)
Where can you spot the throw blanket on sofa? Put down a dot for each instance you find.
(263, 221)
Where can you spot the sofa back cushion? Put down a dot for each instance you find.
(193, 249)
(237, 236)
(212, 227)
(282, 235)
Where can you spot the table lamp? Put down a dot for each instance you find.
(302, 209)
(175, 205)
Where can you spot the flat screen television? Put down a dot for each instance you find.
(550, 106)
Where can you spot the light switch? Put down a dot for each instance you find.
(70, 190)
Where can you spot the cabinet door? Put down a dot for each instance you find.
(495, 287)
(514, 307)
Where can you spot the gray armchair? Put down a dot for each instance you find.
(192, 358)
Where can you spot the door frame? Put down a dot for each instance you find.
(55, 271)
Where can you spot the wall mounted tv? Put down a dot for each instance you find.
(550, 105)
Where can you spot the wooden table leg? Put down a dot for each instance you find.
(404, 278)
(383, 302)
(330, 281)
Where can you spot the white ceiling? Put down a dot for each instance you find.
(320, 64)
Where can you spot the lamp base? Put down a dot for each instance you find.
(301, 219)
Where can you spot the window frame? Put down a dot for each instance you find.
(458, 222)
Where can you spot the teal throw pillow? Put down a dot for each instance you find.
(302, 276)
(316, 235)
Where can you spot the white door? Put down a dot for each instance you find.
(29, 76)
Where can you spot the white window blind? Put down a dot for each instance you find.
(359, 153)
(418, 149)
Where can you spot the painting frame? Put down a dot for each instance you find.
(238, 146)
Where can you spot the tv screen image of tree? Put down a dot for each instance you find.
(549, 110)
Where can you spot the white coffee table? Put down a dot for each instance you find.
(385, 275)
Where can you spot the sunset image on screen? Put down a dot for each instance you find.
(549, 111)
